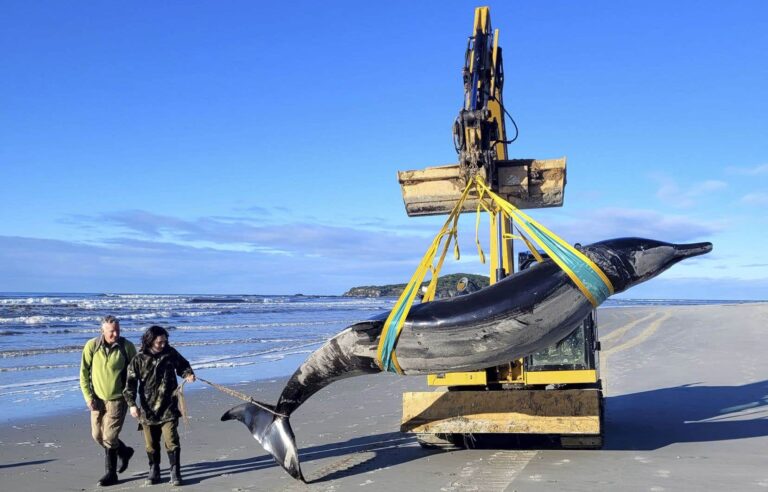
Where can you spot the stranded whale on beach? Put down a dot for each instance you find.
(515, 317)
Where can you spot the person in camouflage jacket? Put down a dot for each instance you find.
(152, 375)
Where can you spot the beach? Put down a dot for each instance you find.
(686, 409)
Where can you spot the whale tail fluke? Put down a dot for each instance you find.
(272, 431)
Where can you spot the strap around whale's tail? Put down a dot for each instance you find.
(272, 431)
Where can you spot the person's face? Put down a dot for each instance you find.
(159, 343)
(110, 331)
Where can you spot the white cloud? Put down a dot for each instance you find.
(761, 170)
(129, 265)
(45, 265)
(755, 199)
(673, 194)
(295, 238)
(610, 223)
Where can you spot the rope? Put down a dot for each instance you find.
(183, 406)
(241, 396)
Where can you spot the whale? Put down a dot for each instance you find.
(515, 317)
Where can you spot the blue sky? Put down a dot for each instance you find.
(251, 147)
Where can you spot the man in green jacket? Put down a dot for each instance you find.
(103, 369)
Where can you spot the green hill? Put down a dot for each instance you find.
(446, 286)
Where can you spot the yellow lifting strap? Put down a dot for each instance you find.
(587, 276)
(385, 355)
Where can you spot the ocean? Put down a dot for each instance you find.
(227, 339)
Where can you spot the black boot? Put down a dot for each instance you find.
(174, 457)
(110, 464)
(153, 476)
(124, 454)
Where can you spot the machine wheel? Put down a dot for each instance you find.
(445, 442)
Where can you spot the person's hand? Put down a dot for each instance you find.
(92, 405)
(135, 412)
(190, 379)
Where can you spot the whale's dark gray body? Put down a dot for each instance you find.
(515, 317)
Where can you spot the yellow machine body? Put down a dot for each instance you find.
(564, 412)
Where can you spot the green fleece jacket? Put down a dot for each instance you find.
(103, 369)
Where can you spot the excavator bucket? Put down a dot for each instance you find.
(526, 183)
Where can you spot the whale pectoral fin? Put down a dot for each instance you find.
(274, 433)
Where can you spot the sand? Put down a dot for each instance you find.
(686, 409)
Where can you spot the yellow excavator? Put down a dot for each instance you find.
(556, 392)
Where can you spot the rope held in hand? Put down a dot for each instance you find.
(183, 406)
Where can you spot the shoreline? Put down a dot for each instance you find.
(191, 391)
(685, 409)
(44, 403)
(70, 399)
(280, 370)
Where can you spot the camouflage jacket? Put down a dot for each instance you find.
(153, 378)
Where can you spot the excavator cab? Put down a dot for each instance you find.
(576, 352)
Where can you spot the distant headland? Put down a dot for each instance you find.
(447, 286)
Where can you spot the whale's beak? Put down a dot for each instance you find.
(683, 251)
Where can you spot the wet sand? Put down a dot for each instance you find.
(686, 409)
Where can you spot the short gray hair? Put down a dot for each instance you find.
(110, 320)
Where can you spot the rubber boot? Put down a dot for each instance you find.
(124, 454)
(153, 477)
(174, 457)
(110, 464)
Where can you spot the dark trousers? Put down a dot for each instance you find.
(169, 432)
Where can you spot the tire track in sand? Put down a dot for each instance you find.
(619, 332)
(640, 338)
(491, 473)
